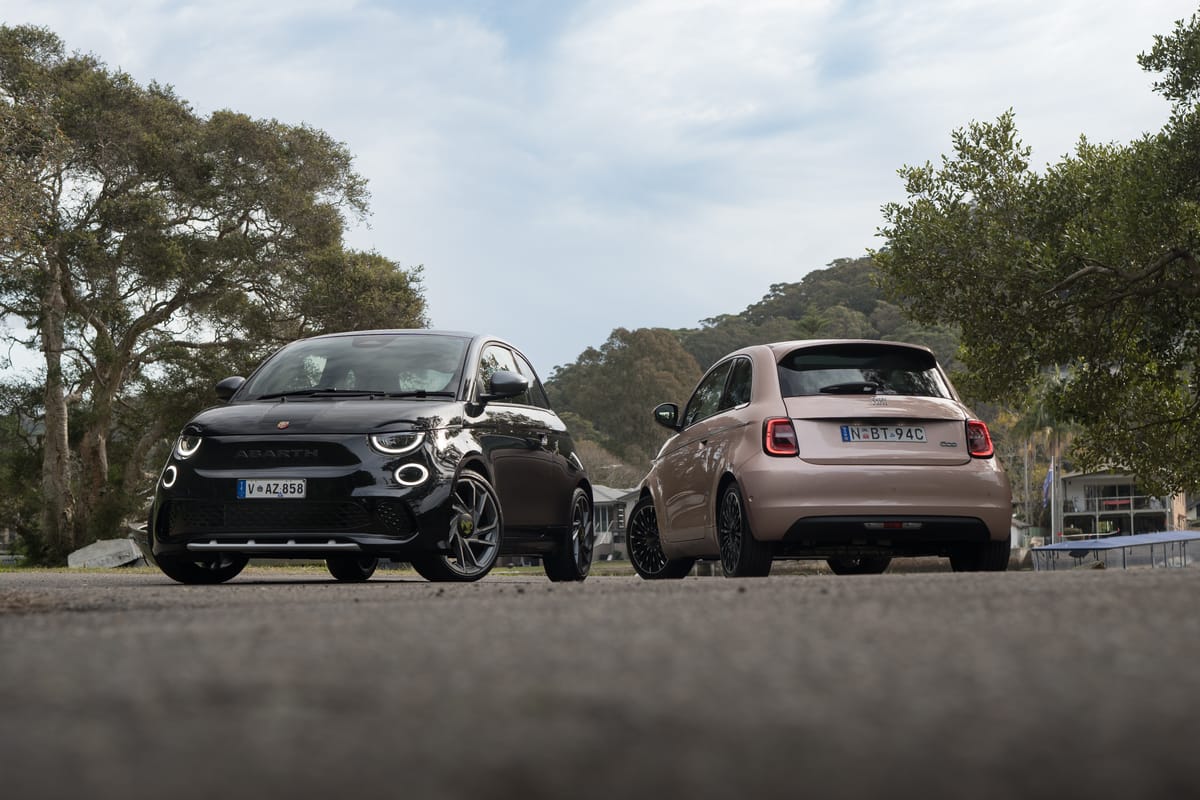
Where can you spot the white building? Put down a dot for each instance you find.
(1094, 504)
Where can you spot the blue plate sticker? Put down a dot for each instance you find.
(241, 492)
(845, 433)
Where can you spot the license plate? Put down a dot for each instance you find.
(283, 489)
(883, 433)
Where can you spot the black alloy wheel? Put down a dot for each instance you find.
(216, 568)
(476, 528)
(573, 560)
(742, 556)
(991, 556)
(861, 565)
(352, 569)
(645, 548)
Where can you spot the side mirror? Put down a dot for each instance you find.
(504, 384)
(667, 415)
(229, 386)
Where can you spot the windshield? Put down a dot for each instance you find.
(861, 369)
(369, 364)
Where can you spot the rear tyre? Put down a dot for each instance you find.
(742, 556)
(473, 541)
(858, 566)
(990, 556)
(573, 560)
(352, 569)
(645, 546)
(216, 568)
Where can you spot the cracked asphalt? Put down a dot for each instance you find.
(282, 683)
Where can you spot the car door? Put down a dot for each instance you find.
(558, 469)
(683, 474)
(517, 445)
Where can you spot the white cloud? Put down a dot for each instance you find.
(564, 172)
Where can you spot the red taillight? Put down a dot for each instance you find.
(779, 437)
(979, 441)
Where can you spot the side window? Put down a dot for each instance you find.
(537, 395)
(494, 359)
(737, 393)
(707, 399)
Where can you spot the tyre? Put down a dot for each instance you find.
(573, 560)
(991, 556)
(645, 547)
(352, 569)
(862, 565)
(216, 568)
(742, 556)
(476, 529)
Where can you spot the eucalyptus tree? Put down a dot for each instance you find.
(139, 240)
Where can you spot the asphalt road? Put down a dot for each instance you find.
(1078, 684)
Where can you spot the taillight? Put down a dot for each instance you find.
(979, 441)
(779, 437)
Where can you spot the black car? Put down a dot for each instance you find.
(432, 447)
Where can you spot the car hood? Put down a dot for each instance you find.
(325, 416)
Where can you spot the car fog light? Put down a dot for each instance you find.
(169, 476)
(411, 475)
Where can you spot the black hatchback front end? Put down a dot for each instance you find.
(438, 449)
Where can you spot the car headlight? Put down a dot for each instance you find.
(187, 445)
(397, 444)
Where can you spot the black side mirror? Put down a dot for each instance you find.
(667, 415)
(504, 384)
(227, 387)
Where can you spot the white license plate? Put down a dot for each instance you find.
(282, 489)
(883, 433)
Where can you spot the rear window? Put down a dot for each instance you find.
(861, 369)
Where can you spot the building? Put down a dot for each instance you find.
(1108, 503)
(611, 508)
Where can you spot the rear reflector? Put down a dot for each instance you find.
(893, 525)
(779, 437)
(979, 441)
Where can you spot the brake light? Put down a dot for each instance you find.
(779, 437)
(979, 441)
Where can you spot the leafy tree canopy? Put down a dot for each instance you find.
(1089, 267)
(142, 244)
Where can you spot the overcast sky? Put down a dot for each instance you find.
(563, 168)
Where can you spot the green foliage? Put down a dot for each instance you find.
(145, 245)
(616, 387)
(1091, 265)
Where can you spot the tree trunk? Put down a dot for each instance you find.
(58, 502)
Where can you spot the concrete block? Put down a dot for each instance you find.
(105, 553)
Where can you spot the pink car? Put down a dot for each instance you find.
(852, 451)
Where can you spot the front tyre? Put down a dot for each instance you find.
(476, 528)
(573, 560)
(352, 569)
(742, 556)
(216, 568)
(645, 546)
(991, 556)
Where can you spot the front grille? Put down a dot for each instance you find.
(284, 516)
(391, 518)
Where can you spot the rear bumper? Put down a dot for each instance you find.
(921, 508)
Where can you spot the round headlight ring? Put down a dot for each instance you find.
(397, 444)
(187, 445)
(169, 476)
(411, 475)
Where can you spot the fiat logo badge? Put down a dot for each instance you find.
(283, 423)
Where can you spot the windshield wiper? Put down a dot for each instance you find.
(418, 393)
(320, 392)
(335, 392)
(851, 387)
